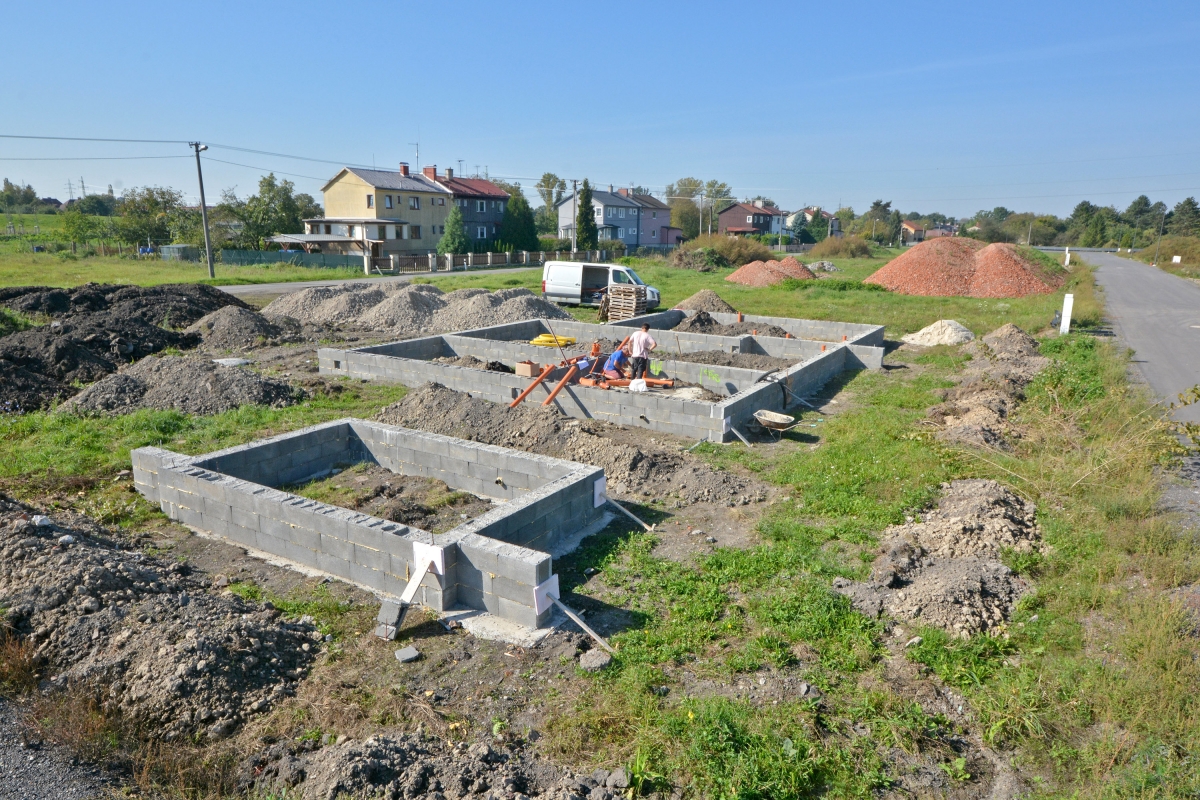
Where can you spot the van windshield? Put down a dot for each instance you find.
(634, 276)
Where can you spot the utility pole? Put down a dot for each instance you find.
(574, 215)
(82, 189)
(1158, 244)
(204, 208)
(70, 190)
(1029, 236)
(460, 167)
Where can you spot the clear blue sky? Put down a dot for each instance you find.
(951, 107)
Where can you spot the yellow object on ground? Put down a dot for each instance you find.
(550, 340)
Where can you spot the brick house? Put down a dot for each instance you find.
(741, 219)
(481, 202)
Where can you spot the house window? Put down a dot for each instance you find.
(481, 206)
(414, 203)
(387, 201)
(370, 201)
(441, 228)
(351, 234)
(749, 219)
(653, 234)
(621, 233)
(382, 232)
(414, 231)
(329, 229)
(653, 215)
(481, 232)
(439, 201)
(621, 213)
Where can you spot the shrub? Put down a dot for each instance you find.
(701, 259)
(1188, 247)
(734, 249)
(845, 247)
(548, 243)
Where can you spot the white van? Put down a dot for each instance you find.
(577, 283)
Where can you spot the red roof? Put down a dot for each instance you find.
(743, 229)
(753, 209)
(472, 187)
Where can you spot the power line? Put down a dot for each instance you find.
(91, 139)
(92, 158)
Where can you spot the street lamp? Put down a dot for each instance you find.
(199, 148)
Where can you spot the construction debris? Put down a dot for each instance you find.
(942, 332)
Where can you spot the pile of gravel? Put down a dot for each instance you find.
(174, 305)
(411, 309)
(944, 331)
(632, 471)
(192, 386)
(141, 632)
(235, 328)
(702, 322)
(706, 300)
(945, 570)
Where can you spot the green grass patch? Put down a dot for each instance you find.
(11, 322)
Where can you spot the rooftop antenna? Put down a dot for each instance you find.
(418, 146)
(460, 163)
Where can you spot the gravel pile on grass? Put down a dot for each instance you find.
(411, 309)
(944, 331)
(632, 471)
(234, 328)
(945, 569)
(954, 267)
(976, 412)
(769, 273)
(142, 633)
(173, 305)
(702, 322)
(192, 386)
(706, 300)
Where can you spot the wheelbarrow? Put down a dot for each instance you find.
(775, 422)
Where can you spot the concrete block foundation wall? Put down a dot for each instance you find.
(493, 562)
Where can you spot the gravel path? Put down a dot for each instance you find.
(42, 771)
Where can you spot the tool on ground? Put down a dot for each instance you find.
(426, 558)
(547, 595)
(628, 513)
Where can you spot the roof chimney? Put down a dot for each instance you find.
(404, 168)
(610, 188)
(430, 172)
(758, 203)
(449, 172)
(623, 192)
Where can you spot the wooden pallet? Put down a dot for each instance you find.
(626, 302)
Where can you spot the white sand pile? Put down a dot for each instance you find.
(944, 331)
(411, 309)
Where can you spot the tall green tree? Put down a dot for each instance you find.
(587, 237)
(1185, 218)
(551, 189)
(78, 226)
(454, 240)
(685, 215)
(147, 214)
(273, 210)
(685, 188)
(518, 231)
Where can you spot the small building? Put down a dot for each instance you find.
(833, 226)
(481, 202)
(911, 232)
(742, 219)
(939, 231)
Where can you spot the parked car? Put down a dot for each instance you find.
(575, 283)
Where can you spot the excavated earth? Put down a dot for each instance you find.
(189, 385)
(702, 322)
(140, 632)
(945, 570)
(234, 328)
(174, 305)
(976, 412)
(706, 300)
(632, 470)
(720, 358)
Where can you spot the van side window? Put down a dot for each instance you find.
(620, 276)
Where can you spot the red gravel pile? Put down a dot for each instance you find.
(954, 267)
(758, 273)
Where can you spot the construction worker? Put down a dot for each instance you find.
(641, 345)
(617, 364)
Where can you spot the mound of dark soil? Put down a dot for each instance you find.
(193, 386)
(237, 328)
(720, 358)
(641, 470)
(702, 322)
(140, 632)
(87, 347)
(22, 390)
(174, 304)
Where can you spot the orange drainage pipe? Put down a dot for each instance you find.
(571, 373)
(546, 370)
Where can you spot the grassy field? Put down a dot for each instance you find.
(1091, 691)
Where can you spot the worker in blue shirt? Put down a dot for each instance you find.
(617, 363)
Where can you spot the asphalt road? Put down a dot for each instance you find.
(241, 290)
(1157, 314)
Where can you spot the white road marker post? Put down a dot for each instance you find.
(1067, 262)
(1064, 327)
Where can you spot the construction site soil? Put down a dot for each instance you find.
(633, 470)
(425, 503)
(410, 309)
(769, 273)
(945, 570)
(720, 358)
(141, 633)
(961, 267)
(189, 385)
(976, 412)
(706, 300)
(702, 322)
(234, 329)
(173, 305)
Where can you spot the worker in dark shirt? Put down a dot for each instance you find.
(617, 363)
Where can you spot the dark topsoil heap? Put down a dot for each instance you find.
(945, 570)
(720, 358)
(631, 470)
(142, 632)
(96, 329)
(990, 387)
(702, 322)
(192, 386)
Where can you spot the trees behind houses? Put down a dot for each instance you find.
(275, 209)
(518, 231)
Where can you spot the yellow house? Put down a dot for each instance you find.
(377, 214)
